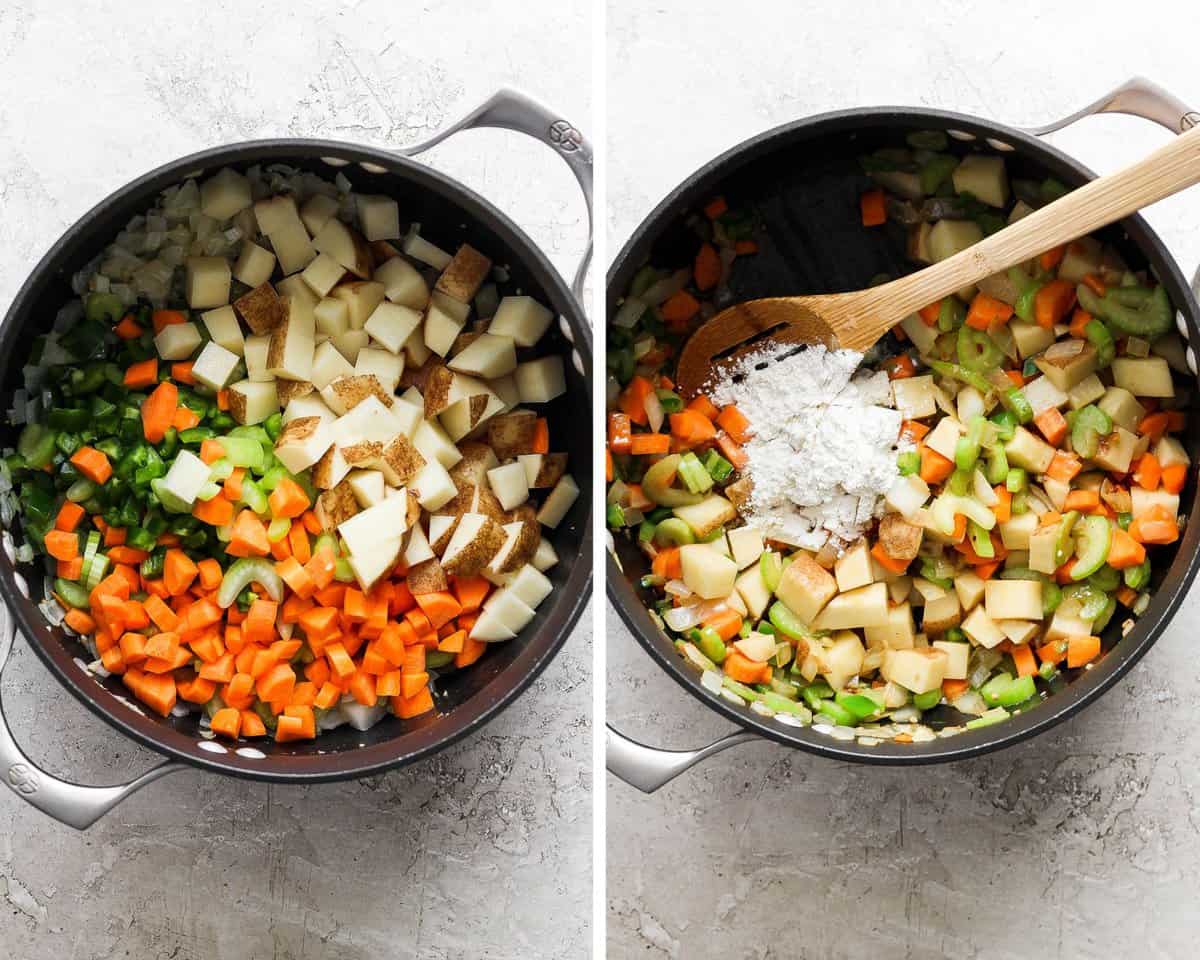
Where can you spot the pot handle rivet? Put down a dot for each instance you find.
(649, 768)
(513, 110)
(74, 804)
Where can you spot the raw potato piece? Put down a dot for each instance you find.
(261, 309)
(346, 393)
(215, 365)
(332, 317)
(417, 247)
(427, 577)
(465, 274)
(805, 587)
(400, 461)
(509, 484)
(864, 607)
(252, 401)
(853, 568)
(328, 365)
(331, 470)
(322, 274)
(558, 502)
(1013, 599)
(520, 545)
(522, 318)
(541, 380)
(255, 355)
(223, 328)
(316, 212)
(441, 328)
(900, 538)
(379, 216)
(983, 177)
(982, 629)
(292, 247)
(941, 613)
(177, 341)
(544, 470)
(488, 356)
(303, 442)
(745, 544)
(387, 367)
(208, 281)
(290, 355)
(361, 298)
(512, 434)
(403, 283)
(224, 194)
(476, 540)
(392, 324)
(706, 516)
(920, 670)
(254, 265)
(433, 486)
(336, 506)
(345, 246)
(708, 574)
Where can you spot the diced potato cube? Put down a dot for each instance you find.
(361, 298)
(303, 442)
(914, 397)
(276, 213)
(957, 656)
(487, 356)
(292, 247)
(345, 246)
(969, 587)
(1019, 631)
(711, 513)
(187, 475)
(1013, 599)
(864, 607)
(708, 574)
(433, 486)
(1066, 622)
(379, 216)
(1030, 338)
(540, 380)
(745, 545)
(982, 176)
(907, 495)
(1088, 390)
(403, 283)
(522, 318)
(897, 633)
(1041, 548)
(1116, 451)
(316, 212)
(941, 612)
(1143, 377)
(322, 274)
(224, 194)
(843, 659)
(1123, 407)
(559, 501)
(509, 484)
(328, 364)
(208, 281)
(805, 587)
(969, 402)
(465, 274)
(1015, 533)
(922, 337)
(223, 328)
(252, 401)
(1169, 452)
(441, 328)
(1083, 256)
(753, 591)
(1067, 362)
(392, 324)
(386, 367)
(254, 265)
(215, 365)
(290, 354)
(943, 438)
(919, 670)
(417, 247)
(853, 568)
(1029, 452)
(1043, 395)
(981, 628)
(332, 316)
(177, 341)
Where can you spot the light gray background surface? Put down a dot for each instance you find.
(482, 851)
(1080, 844)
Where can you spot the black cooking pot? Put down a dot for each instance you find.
(802, 182)
(450, 214)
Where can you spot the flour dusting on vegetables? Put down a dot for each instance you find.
(824, 443)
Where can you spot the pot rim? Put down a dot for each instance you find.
(1083, 690)
(503, 688)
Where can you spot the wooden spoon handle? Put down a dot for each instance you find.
(1168, 170)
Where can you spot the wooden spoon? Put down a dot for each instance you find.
(856, 320)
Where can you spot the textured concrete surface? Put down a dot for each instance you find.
(482, 851)
(1080, 844)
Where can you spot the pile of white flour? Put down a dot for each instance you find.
(825, 442)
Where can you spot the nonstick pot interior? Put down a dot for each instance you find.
(801, 183)
(449, 215)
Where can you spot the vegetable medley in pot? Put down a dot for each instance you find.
(285, 460)
(1039, 470)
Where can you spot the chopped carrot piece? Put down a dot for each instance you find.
(1085, 501)
(1174, 477)
(1052, 258)
(210, 574)
(1147, 472)
(707, 267)
(715, 208)
(1053, 302)
(934, 467)
(439, 607)
(1082, 650)
(1124, 552)
(288, 499)
(249, 538)
(1052, 424)
(182, 371)
(899, 367)
(679, 308)
(216, 512)
(887, 561)
(1023, 660)
(93, 464)
(179, 570)
(61, 545)
(734, 423)
(69, 515)
(649, 443)
(541, 435)
(162, 319)
(142, 374)
(872, 207)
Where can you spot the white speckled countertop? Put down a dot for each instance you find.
(1082, 843)
(482, 851)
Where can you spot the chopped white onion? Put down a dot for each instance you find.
(629, 312)
(677, 588)
(659, 291)
(682, 618)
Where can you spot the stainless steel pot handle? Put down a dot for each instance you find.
(649, 768)
(74, 804)
(1137, 97)
(513, 110)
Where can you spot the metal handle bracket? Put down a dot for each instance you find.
(649, 768)
(513, 110)
(74, 804)
(1136, 97)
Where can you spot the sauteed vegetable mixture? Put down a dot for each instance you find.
(1043, 472)
(286, 460)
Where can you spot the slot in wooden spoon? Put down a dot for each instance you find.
(857, 320)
